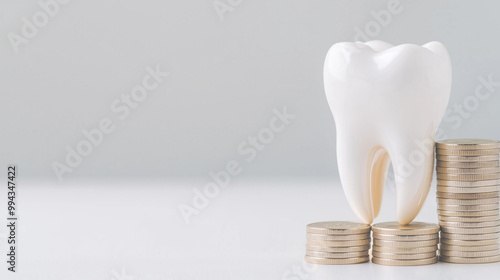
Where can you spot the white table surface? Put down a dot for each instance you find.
(251, 230)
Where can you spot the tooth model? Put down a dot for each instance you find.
(387, 102)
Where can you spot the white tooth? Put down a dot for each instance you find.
(387, 102)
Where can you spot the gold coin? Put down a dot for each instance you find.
(469, 248)
(404, 244)
(468, 213)
(338, 249)
(469, 219)
(467, 158)
(463, 184)
(469, 225)
(346, 243)
(467, 195)
(480, 207)
(483, 152)
(340, 227)
(484, 170)
(468, 144)
(405, 262)
(470, 230)
(314, 236)
(395, 250)
(403, 256)
(473, 164)
(463, 202)
(483, 236)
(470, 260)
(405, 237)
(328, 255)
(473, 243)
(468, 177)
(450, 189)
(469, 254)
(413, 228)
(316, 260)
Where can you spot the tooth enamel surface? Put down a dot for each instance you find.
(387, 102)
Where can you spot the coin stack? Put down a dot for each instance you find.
(412, 244)
(468, 188)
(337, 243)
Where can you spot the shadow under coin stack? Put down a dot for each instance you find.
(337, 243)
(408, 245)
(468, 188)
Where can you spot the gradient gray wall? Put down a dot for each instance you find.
(231, 64)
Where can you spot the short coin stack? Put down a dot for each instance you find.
(412, 244)
(337, 243)
(468, 188)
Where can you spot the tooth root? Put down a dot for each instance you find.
(356, 184)
(413, 167)
(381, 162)
(356, 162)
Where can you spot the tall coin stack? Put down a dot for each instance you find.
(337, 243)
(408, 245)
(468, 176)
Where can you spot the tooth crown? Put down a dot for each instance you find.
(377, 73)
(387, 102)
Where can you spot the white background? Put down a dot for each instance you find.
(117, 211)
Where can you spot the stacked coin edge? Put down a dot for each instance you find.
(337, 243)
(468, 188)
(408, 245)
